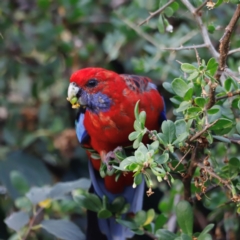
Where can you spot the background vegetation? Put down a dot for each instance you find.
(42, 42)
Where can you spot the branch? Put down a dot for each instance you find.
(182, 159)
(213, 174)
(209, 189)
(230, 94)
(231, 74)
(224, 43)
(186, 47)
(198, 134)
(31, 223)
(156, 12)
(203, 29)
(233, 140)
(188, 178)
(139, 31)
(233, 51)
(201, 6)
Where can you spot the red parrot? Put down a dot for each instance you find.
(107, 100)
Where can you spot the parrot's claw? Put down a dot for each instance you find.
(106, 157)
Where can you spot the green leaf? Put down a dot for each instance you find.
(181, 138)
(128, 224)
(125, 208)
(133, 135)
(164, 234)
(140, 217)
(218, 3)
(238, 126)
(117, 204)
(63, 229)
(104, 213)
(188, 68)
(193, 76)
(194, 110)
(188, 94)
(228, 84)
(205, 236)
(19, 182)
(168, 11)
(168, 87)
(154, 145)
(160, 221)
(181, 126)
(150, 216)
(183, 106)
(17, 220)
(136, 111)
(137, 126)
(126, 162)
(222, 139)
(163, 158)
(235, 162)
(160, 25)
(176, 100)
(213, 111)
(136, 143)
(221, 124)
(142, 118)
(212, 66)
(169, 131)
(200, 101)
(174, 6)
(138, 179)
(180, 87)
(184, 214)
(91, 202)
(207, 229)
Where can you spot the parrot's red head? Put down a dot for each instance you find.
(93, 88)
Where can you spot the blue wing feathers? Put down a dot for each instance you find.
(82, 133)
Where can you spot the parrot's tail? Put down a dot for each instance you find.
(134, 196)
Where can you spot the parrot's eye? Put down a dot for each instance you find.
(92, 83)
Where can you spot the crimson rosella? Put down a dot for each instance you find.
(106, 101)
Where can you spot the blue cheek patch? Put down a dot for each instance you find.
(82, 133)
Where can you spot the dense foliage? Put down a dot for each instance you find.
(192, 164)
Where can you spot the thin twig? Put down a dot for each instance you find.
(224, 43)
(156, 12)
(186, 47)
(182, 159)
(231, 74)
(203, 29)
(213, 174)
(230, 94)
(209, 189)
(140, 32)
(32, 221)
(198, 134)
(233, 51)
(197, 57)
(201, 6)
(190, 172)
(233, 140)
